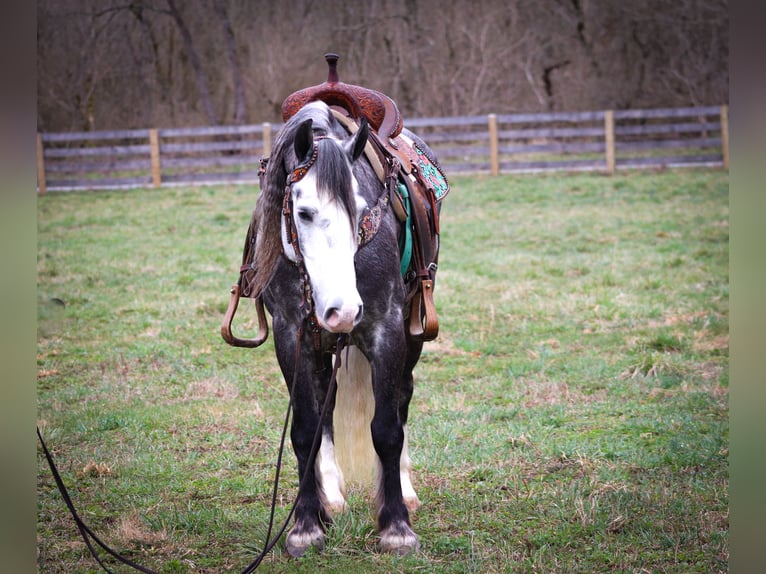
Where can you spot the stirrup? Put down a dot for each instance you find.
(263, 325)
(424, 323)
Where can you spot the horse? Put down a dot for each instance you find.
(319, 281)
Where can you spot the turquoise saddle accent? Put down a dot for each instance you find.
(432, 175)
(405, 241)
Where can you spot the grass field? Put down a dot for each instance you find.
(572, 416)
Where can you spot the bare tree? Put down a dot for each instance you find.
(68, 78)
(194, 60)
(123, 63)
(240, 104)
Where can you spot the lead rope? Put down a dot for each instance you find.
(87, 534)
(85, 531)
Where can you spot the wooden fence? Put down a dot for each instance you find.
(594, 141)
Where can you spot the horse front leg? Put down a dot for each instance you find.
(307, 396)
(388, 437)
(310, 518)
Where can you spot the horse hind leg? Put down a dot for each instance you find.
(394, 528)
(411, 500)
(330, 490)
(332, 487)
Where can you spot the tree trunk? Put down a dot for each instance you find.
(240, 103)
(199, 72)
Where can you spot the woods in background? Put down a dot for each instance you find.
(119, 64)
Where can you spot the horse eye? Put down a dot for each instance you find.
(306, 215)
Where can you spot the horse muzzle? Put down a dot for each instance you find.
(340, 317)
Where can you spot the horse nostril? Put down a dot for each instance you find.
(329, 313)
(359, 314)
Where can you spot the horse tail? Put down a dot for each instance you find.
(354, 409)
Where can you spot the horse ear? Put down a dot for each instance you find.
(304, 140)
(356, 146)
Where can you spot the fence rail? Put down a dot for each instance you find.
(496, 143)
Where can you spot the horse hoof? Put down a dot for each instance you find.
(298, 542)
(399, 540)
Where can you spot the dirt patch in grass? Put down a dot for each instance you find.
(213, 387)
(131, 530)
(444, 346)
(537, 392)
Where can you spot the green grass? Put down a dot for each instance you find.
(572, 416)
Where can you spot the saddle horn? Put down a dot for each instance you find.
(377, 108)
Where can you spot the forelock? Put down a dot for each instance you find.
(333, 174)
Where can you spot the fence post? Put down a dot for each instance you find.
(725, 135)
(494, 157)
(154, 144)
(609, 140)
(266, 139)
(40, 165)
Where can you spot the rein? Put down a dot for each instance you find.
(87, 534)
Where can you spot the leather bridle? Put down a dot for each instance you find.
(369, 225)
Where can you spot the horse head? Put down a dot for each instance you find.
(322, 227)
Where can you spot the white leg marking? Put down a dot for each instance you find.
(411, 500)
(330, 477)
(378, 483)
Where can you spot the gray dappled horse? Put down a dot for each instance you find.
(318, 176)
